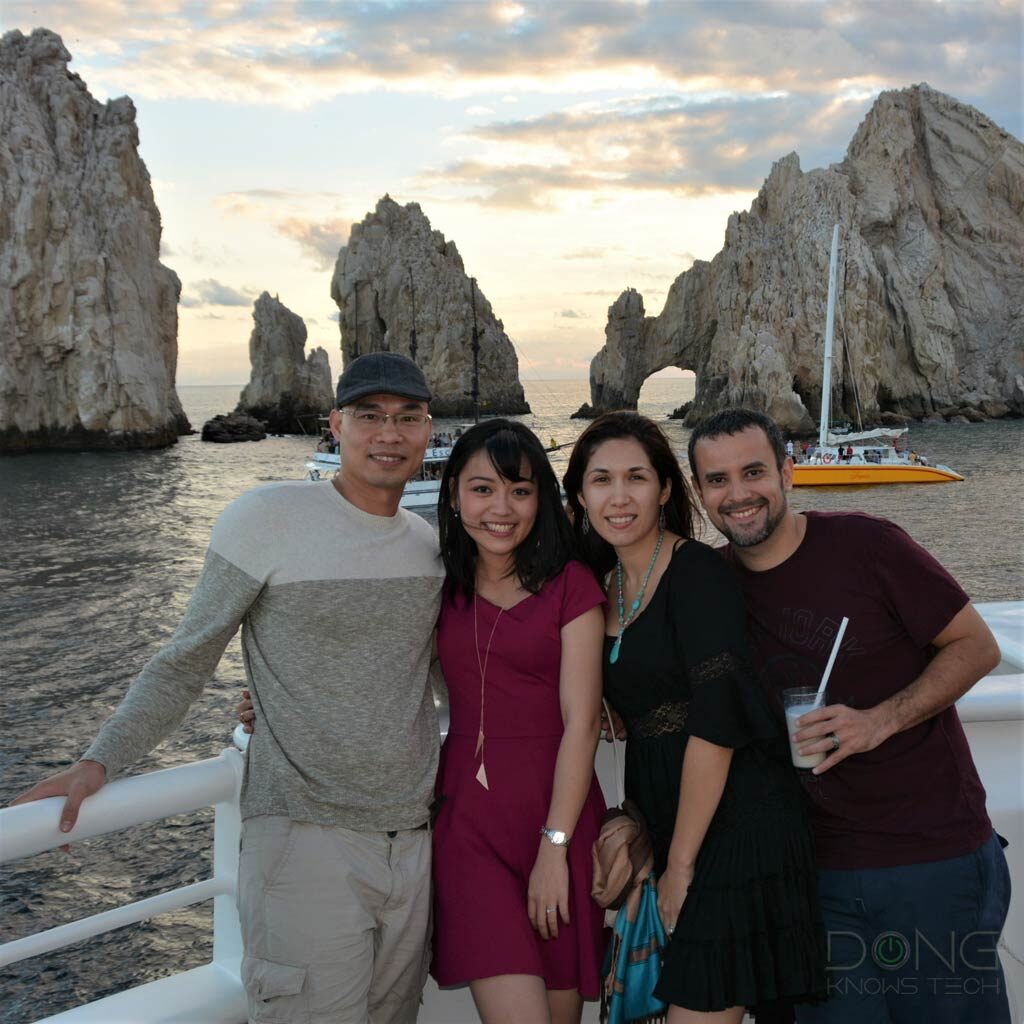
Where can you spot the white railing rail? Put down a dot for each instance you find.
(32, 828)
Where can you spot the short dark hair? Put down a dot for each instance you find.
(548, 546)
(679, 514)
(731, 422)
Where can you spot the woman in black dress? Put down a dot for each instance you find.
(707, 760)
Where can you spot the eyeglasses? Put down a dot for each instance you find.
(405, 422)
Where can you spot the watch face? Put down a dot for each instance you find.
(556, 837)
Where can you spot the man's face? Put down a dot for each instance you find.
(740, 486)
(380, 455)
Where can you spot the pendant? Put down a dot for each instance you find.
(614, 656)
(481, 776)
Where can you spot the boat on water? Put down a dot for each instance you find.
(420, 492)
(866, 458)
(992, 713)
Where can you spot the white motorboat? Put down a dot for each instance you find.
(420, 492)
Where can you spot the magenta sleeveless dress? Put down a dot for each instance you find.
(486, 840)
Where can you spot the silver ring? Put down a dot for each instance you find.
(835, 741)
(550, 910)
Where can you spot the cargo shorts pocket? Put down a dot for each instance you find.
(274, 991)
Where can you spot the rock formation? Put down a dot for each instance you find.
(396, 275)
(930, 304)
(231, 427)
(287, 389)
(88, 314)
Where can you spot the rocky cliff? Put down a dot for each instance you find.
(930, 306)
(287, 389)
(88, 314)
(397, 274)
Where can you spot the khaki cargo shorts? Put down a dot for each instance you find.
(335, 923)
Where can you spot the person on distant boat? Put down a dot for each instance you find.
(913, 882)
(336, 590)
(707, 761)
(789, 448)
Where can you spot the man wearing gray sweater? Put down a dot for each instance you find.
(336, 590)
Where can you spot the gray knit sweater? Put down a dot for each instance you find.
(337, 608)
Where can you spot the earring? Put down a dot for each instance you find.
(585, 522)
(661, 519)
(455, 512)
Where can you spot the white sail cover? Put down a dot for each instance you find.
(881, 435)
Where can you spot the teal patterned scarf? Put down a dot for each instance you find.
(633, 961)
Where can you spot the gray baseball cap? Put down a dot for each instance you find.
(381, 373)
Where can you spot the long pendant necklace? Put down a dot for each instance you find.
(481, 775)
(625, 620)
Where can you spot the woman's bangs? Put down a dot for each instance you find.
(506, 451)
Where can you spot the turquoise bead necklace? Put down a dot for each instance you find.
(625, 620)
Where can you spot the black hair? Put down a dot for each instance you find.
(679, 513)
(731, 422)
(550, 544)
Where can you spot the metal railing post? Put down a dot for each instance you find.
(227, 837)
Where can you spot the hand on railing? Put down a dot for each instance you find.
(76, 783)
(246, 712)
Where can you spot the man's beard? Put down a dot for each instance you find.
(749, 540)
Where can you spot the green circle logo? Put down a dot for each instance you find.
(890, 950)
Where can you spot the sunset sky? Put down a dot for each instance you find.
(569, 149)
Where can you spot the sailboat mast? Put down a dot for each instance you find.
(476, 355)
(355, 302)
(830, 314)
(412, 334)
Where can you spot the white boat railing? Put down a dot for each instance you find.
(212, 993)
(992, 712)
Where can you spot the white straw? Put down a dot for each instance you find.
(831, 661)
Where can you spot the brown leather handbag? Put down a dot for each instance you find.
(622, 853)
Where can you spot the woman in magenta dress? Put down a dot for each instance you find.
(519, 638)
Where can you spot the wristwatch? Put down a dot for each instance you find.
(555, 837)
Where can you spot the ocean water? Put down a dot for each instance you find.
(100, 551)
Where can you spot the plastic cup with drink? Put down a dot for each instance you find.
(801, 700)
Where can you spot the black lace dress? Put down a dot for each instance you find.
(750, 931)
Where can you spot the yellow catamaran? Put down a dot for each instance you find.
(866, 458)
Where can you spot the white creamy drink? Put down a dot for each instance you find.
(793, 712)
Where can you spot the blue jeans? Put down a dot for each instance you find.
(917, 943)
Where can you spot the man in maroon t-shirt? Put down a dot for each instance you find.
(913, 882)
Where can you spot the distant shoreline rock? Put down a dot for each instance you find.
(398, 279)
(232, 427)
(930, 203)
(287, 389)
(89, 313)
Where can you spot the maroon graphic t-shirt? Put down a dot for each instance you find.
(916, 797)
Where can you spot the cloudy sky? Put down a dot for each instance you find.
(571, 149)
